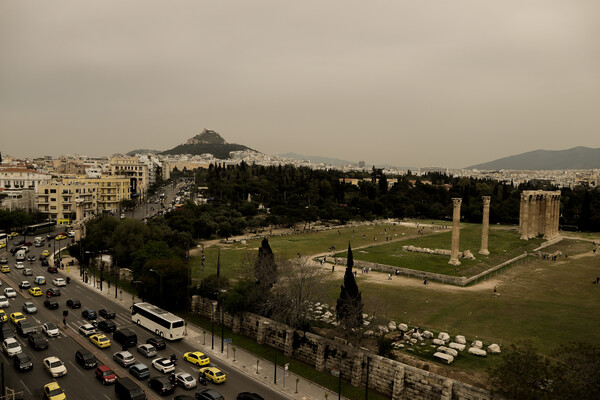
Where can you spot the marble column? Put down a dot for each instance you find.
(525, 222)
(485, 226)
(548, 218)
(534, 216)
(521, 210)
(556, 214)
(455, 232)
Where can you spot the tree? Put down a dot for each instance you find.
(522, 373)
(265, 268)
(577, 373)
(349, 306)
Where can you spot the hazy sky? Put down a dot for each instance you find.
(409, 83)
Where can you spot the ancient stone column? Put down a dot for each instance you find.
(525, 223)
(455, 232)
(548, 218)
(485, 226)
(556, 214)
(533, 217)
(521, 210)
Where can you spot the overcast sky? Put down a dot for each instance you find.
(408, 83)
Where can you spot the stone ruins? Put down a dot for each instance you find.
(540, 211)
(455, 232)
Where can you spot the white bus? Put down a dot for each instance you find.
(157, 320)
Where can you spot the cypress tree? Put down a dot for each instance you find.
(265, 268)
(349, 305)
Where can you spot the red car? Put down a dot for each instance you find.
(52, 269)
(105, 375)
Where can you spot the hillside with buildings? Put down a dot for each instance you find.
(207, 142)
(575, 158)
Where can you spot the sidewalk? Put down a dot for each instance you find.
(244, 361)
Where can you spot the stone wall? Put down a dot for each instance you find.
(392, 378)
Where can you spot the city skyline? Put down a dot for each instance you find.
(401, 84)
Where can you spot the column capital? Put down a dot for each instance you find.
(486, 200)
(456, 201)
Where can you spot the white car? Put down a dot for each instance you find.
(164, 365)
(19, 265)
(50, 329)
(59, 282)
(4, 302)
(10, 292)
(87, 329)
(55, 366)
(185, 380)
(11, 347)
(25, 285)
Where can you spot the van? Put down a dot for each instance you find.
(127, 389)
(126, 337)
(21, 255)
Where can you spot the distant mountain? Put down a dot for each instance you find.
(317, 159)
(207, 142)
(142, 151)
(575, 158)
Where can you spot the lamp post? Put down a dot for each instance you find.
(160, 284)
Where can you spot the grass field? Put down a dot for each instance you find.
(546, 302)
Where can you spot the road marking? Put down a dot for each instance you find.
(75, 368)
(25, 386)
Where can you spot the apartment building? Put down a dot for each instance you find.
(57, 199)
(132, 168)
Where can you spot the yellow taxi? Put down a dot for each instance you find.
(53, 391)
(13, 234)
(196, 357)
(2, 245)
(45, 253)
(60, 237)
(16, 316)
(213, 374)
(5, 268)
(3, 316)
(36, 291)
(100, 340)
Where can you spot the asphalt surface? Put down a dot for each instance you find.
(80, 383)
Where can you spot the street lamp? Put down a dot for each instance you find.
(160, 280)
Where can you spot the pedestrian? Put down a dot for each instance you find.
(355, 272)
(389, 277)
(495, 289)
(425, 281)
(65, 321)
(598, 280)
(369, 270)
(333, 268)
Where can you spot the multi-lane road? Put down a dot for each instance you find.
(80, 383)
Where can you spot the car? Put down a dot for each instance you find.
(86, 359)
(158, 343)
(183, 397)
(3, 260)
(45, 253)
(163, 365)
(73, 303)
(107, 326)
(139, 370)
(185, 380)
(197, 358)
(52, 269)
(147, 350)
(28, 244)
(4, 302)
(105, 375)
(106, 314)
(22, 362)
(5, 269)
(54, 292)
(59, 282)
(13, 234)
(208, 394)
(161, 385)
(87, 329)
(11, 347)
(53, 391)
(213, 374)
(29, 308)
(10, 292)
(27, 272)
(16, 316)
(39, 280)
(124, 358)
(44, 262)
(19, 264)
(89, 314)
(38, 341)
(3, 316)
(50, 329)
(55, 366)
(100, 340)
(36, 291)
(30, 258)
(25, 285)
(51, 304)
(6, 331)
(60, 237)
(25, 327)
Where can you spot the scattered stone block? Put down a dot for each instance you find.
(427, 335)
(493, 348)
(457, 346)
(460, 339)
(366, 323)
(423, 344)
(447, 350)
(477, 352)
(477, 344)
(444, 357)
(382, 328)
(392, 326)
(402, 327)
(438, 342)
(443, 336)
(413, 341)
(368, 333)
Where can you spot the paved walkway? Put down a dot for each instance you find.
(244, 361)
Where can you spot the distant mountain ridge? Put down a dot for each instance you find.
(574, 158)
(316, 159)
(208, 141)
(142, 151)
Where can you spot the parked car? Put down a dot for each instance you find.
(50, 329)
(22, 362)
(107, 314)
(161, 385)
(105, 375)
(55, 366)
(147, 350)
(73, 303)
(38, 341)
(140, 371)
(124, 358)
(107, 326)
(51, 304)
(86, 359)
